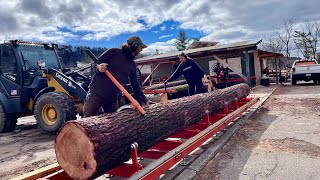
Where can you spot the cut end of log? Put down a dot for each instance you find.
(75, 152)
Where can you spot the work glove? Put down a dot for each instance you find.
(102, 67)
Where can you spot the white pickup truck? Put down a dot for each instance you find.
(305, 70)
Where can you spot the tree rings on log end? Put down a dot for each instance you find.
(75, 151)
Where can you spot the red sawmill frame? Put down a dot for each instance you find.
(165, 154)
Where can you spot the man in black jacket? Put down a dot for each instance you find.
(191, 71)
(120, 62)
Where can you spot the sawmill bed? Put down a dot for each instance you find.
(159, 158)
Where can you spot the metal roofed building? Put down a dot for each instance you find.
(243, 58)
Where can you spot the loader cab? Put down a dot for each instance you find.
(10, 72)
(10, 87)
(21, 74)
(34, 58)
(21, 63)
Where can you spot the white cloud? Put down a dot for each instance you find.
(162, 28)
(165, 36)
(226, 20)
(162, 47)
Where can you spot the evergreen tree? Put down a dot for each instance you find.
(181, 41)
(70, 55)
(157, 52)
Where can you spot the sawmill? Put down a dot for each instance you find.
(159, 90)
(144, 142)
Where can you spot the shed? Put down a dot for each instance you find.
(242, 59)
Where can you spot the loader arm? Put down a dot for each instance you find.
(67, 84)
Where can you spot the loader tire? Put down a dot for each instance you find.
(72, 109)
(8, 122)
(52, 110)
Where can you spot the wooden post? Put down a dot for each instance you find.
(277, 80)
(247, 67)
(257, 66)
(144, 82)
(280, 69)
(141, 67)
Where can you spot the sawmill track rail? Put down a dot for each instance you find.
(165, 154)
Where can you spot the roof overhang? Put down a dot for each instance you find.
(200, 44)
(267, 54)
(223, 51)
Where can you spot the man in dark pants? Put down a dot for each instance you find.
(191, 71)
(120, 62)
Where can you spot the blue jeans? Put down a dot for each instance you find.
(195, 86)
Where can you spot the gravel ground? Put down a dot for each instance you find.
(280, 141)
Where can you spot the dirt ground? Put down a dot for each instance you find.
(280, 141)
(25, 149)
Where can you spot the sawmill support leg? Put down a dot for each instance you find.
(226, 108)
(207, 118)
(134, 156)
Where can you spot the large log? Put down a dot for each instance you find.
(89, 147)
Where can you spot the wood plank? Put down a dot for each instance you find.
(39, 173)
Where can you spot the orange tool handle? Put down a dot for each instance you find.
(134, 103)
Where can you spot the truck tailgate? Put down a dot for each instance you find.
(303, 69)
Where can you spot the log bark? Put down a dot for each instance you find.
(91, 146)
(182, 91)
(169, 84)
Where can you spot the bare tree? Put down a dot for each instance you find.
(306, 38)
(314, 28)
(284, 34)
(302, 42)
(272, 43)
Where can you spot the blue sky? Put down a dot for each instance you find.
(108, 23)
(160, 33)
